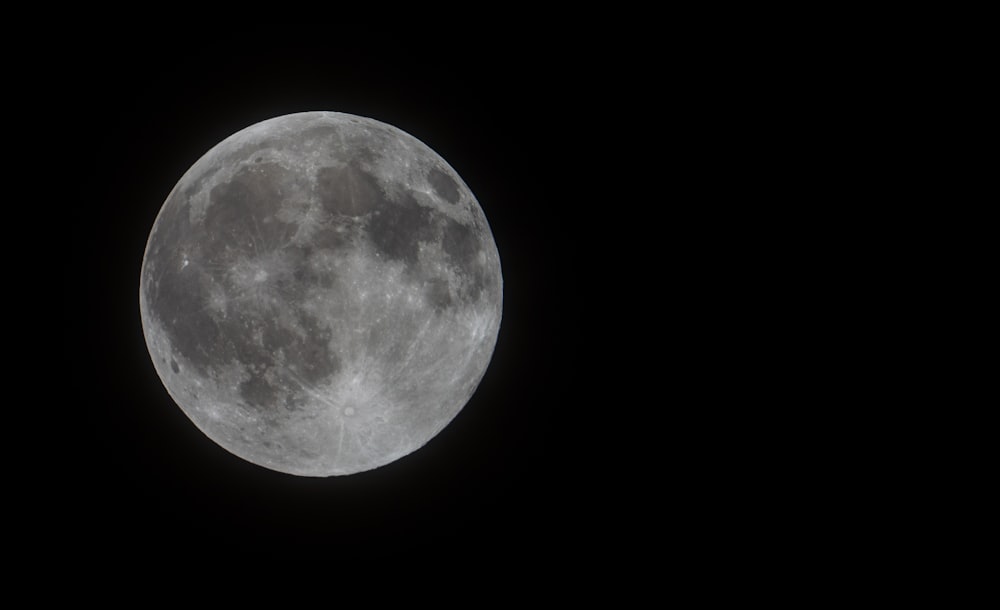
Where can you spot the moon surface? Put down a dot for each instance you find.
(321, 294)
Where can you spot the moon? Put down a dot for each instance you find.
(321, 294)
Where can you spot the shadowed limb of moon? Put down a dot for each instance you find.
(321, 294)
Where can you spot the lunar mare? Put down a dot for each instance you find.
(321, 294)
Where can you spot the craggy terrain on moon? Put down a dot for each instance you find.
(321, 294)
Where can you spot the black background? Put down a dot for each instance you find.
(537, 462)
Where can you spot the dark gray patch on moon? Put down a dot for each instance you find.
(347, 190)
(258, 392)
(462, 246)
(189, 325)
(438, 294)
(444, 185)
(239, 342)
(397, 230)
(275, 337)
(328, 238)
(459, 242)
(242, 209)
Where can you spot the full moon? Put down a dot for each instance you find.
(321, 294)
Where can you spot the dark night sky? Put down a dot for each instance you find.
(531, 462)
(647, 180)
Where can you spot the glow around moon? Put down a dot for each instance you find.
(321, 294)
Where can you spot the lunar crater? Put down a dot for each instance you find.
(444, 185)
